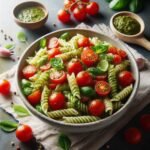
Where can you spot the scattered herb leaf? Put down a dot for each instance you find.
(22, 37)
(42, 43)
(10, 46)
(100, 48)
(103, 65)
(57, 63)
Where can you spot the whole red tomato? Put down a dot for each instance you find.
(64, 16)
(5, 87)
(24, 133)
(92, 8)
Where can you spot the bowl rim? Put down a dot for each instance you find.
(28, 2)
(52, 121)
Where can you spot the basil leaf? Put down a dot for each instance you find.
(57, 63)
(65, 36)
(8, 126)
(136, 5)
(10, 46)
(64, 142)
(100, 48)
(27, 91)
(25, 83)
(20, 111)
(22, 37)
(94, 71)
(38, 108)
(42, 43)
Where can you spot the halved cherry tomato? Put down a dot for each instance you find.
(117, 59)
(89, 57)
(74, 66)
(5, 87)
(45, 67)
(53, 43)
(101, 77)
(52, 86)
(29, 71)
(125, 78)
(122, 54)
(83, 42)
(102, 88)
(24, 133)
(64, 15)
(84, 78)
(35, 97)
(145, 122)
(58, 77)
(133, 135)
(96, 107)
(53, 52)
(92, 8)
(57, 101)
(112, 50)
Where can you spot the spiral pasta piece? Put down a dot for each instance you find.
(44, 99)
(123, 94)
(62, 87)
(122, 66)
(117, 105)
(112, 80)
(108, 106)
(80, 119)
(61, 113)
(73, 85)
(81, 107)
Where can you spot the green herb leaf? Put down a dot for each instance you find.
(38, 108)
(8, 126)
(42, 43)
(64, 142)
(20, 111)
(94, 71)
(103, 65)
(65, 36)
(22, 37)
(10, 46)
(136, 5)
(57, 63)
(100, 48)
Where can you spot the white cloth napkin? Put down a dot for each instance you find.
(48, 135)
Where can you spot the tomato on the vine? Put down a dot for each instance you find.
(83, 42)
(92, 8)
(24, 133)
(64, 16)
(57, 101)
(5, 87)
(53, 52)
(145, 122)
(52, 43)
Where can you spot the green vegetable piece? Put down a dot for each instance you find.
(136, 5)
(42, 43)
(100, 48)
(64, 142)
(8, 126)
(87, 91)
(10, 46)
(25, 83)
(118, 4)
(65, 36)
(27, 91)
(94, 71)
(20, 111)
(22, 37)
(39, 108)
(103, 65)
(57, 63)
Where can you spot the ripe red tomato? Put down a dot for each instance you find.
(5, 87)
(83, 42)
(112, 50)
(86, 1)
(53, 52)
(92, 8)
(133, 135)
(64, 16)
(52, 86)
(24, 133)
(52, 43)
(96, 107)
(125, 78)
(102, 88)
(101, 77)
(117, 59)
(79, 13)
(58, 77)
(145, 122)
(57, 101)
(45, 67)
(35, 97)
(122, 54)
(84, 78)
(89, 57)
(74, 66)
(29, 71)
(70, 4)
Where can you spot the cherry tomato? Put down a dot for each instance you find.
(70, 4)
(133, 135)
(96, 107)
(58, 77)
(85, 99)
(92, 8)
(102, 88)
(74, 66)
(101, 77)
(86, 1)
(84, 78)
(53, 43)
(24, 133)
(29, 71)
(145, 122)
(64, 16)
(35, 97)
(125, 78)
(83, 42)
(53, 52)
(52, 86)
(45, 67)
(122, 54)
(112, 50)
(117, 59)
(89, 57)
(79, 13)
(5, 87)
(57, 101)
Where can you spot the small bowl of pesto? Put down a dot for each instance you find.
(129, 27)
(31, 15)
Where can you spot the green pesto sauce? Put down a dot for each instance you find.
(31, 14)
(126, 25)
